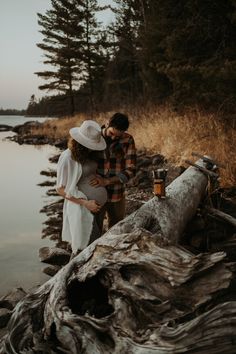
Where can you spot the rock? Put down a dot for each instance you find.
(5, 127)
(31, 139)
(49, 173)
(143, 161)
(61, 143)
(52, 193)
(53, 208)
(5, 316)
(51, 270)
(157, 159)
(10, 300)
(142, 151)
(3, 332)
(54, 255)
(47, 184)
(54, 159)
(145, 185)
(26, 127)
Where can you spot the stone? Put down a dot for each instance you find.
(5, 128)
(144, 161)
(3, 332)
(54, 255)
(10, 300)
(5, 316)
(51, 270)
(157, 159)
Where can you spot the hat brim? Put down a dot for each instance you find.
(81, 139)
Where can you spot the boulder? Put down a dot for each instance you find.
(54, 255)
(10, 300)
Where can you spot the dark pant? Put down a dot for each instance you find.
(96, 232)
(115, 212)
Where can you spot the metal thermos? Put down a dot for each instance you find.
(159, 187)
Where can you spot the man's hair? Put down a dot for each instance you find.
(119, 121)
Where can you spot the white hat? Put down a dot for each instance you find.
(89, 135)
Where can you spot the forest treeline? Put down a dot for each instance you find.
(180, 52)
(12, 112)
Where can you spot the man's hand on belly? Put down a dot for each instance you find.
(99, 181)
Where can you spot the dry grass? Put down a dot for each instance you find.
(161, 130)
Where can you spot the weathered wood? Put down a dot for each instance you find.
(220, 214)
(125, 294)
(130, 292)
(168, 217)
(203, 169)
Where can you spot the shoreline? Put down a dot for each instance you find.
(139, 191)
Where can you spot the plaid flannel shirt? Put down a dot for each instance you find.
(119, 159)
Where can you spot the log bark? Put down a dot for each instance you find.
(168, 217)
(129, 293)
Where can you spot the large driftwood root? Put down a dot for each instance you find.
(127, 294)
(134, 290)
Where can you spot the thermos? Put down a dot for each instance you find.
(159, 186)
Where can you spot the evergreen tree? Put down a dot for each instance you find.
(61, 29)
(191, 46)
(93, 53)
(32, 108)
(71, 47)
(123, 82)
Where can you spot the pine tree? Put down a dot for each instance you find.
(32, 106)
(93, 53)
(123, 80)
(191, 46)
(71, 47)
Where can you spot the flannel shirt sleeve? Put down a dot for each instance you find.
(130, 162)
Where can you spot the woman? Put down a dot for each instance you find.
(76, 167)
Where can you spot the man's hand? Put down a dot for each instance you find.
(99, 181)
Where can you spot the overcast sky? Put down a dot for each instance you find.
(19, 55)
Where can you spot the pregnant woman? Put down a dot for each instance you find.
(76, 167)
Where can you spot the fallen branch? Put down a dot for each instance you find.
(220, 214)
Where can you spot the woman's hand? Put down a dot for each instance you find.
(61, 191)
(92, 205)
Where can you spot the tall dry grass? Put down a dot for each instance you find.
(176, 136)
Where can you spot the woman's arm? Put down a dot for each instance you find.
(91, 205)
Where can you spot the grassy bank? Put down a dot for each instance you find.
(161, 130)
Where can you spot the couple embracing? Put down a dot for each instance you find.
(91, 176)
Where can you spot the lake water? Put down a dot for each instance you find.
(20, 202)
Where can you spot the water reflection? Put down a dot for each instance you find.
(20, 221)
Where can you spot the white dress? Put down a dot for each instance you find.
(77, 220)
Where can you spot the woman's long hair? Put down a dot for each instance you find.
(80, 153)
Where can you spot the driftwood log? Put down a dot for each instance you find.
(217, 213)
(134, 290)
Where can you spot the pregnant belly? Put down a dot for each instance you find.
(99, 194)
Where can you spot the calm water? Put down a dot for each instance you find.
(20, 202)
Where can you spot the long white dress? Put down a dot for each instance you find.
(77, 220)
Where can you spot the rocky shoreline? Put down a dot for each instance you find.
(204, 234)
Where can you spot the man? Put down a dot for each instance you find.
(116, 168)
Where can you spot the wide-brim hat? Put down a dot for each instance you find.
(89, 135)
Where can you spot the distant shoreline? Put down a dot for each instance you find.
(12, 112)
(23, 115)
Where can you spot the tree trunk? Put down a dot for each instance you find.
(168, 217)
(129, 293)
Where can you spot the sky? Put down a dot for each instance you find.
(19, 55)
